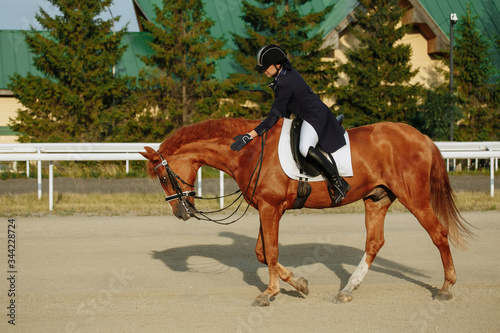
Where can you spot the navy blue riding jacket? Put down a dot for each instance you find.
(293, 95)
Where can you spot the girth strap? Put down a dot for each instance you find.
(303, 192)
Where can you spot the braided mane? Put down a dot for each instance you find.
(209, 129)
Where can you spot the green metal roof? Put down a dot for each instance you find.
(487, 12)
(6, 131)
(226, 15)
(15, 56)
(137, 42)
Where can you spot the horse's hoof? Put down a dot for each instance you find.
(443, 296)
(342, 298)
(303, 285)
(261, 301)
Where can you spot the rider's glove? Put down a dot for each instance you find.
(241, 141)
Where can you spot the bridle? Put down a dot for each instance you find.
(189, 208)
(174, 181)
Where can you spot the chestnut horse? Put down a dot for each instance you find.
(390, 160)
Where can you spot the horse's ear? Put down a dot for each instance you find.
(150, 153)
(149, 150)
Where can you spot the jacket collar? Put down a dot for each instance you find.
(274, 83)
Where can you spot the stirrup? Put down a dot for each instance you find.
(336, 194)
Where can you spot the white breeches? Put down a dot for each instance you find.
(308, 138)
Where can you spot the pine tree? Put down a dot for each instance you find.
(477, 98)
(78, 98)
(379, 68)
(280, 22)
(433, 118)
(179, 84)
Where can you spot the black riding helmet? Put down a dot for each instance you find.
(270, 54)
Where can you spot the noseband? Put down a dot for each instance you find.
(174, 181)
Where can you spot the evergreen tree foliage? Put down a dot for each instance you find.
(477, 98)
(280, 22)
(78, 98)
(378, 68)
(178, 86)
(433, 118)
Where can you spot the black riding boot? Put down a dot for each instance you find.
(330, 172)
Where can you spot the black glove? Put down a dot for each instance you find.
(241, 141)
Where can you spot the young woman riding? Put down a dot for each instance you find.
(293, 95)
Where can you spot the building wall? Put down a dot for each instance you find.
(8, 139)
(8, 108)
(346, 41)
(428, 65)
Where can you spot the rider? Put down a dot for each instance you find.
(293, 95)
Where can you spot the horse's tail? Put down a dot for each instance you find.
(443, 202)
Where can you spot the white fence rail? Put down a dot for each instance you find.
(129, 152)
(472, 150)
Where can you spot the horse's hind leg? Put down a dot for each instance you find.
(439, 236)
(375, 210)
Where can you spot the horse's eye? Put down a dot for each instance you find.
(164, 179)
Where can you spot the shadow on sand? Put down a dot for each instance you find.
(240, 255)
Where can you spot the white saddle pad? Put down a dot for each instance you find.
(342, 156)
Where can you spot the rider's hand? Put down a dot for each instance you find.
(241, 141)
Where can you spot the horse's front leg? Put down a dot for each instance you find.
(267, 252)
(301, 284)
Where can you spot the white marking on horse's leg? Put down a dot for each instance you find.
(356, 277)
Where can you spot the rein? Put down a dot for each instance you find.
(191, 210)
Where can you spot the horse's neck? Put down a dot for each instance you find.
(210, 153)
(214, 150)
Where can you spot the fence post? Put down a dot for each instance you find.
(492, 174)
(39, 175)
(51, 185)
(199, 182)
(221, 184)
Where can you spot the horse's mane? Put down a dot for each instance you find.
(208, 129)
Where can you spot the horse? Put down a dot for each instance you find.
(390, 161)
